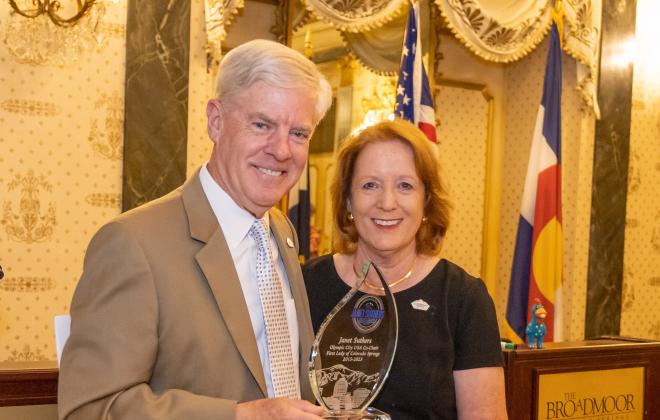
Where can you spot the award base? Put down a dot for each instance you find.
(368, 413)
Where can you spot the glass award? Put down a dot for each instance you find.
(353, 352)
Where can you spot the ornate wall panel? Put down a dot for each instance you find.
(60, 179)
(641, 261)
(200, 89)
(463, 146)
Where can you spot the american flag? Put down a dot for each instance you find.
(413, 94)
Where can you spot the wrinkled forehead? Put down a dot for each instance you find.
(283, 105)
(289, 97)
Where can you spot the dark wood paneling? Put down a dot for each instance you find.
(28, 383)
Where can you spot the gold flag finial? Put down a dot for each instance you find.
(557, 14)
(309, 53)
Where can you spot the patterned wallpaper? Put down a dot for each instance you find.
(463, 152)
(641, 277)
(60, 178)
(201, 88)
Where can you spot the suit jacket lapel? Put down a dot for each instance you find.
(282, 232)
(216, 263)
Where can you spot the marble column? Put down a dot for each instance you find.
(156, 104)
(610, 173)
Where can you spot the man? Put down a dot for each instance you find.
(173, 316)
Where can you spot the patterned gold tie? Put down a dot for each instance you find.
(277, 328)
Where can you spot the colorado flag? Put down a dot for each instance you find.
(536, 272)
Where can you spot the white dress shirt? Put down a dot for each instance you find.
(235, 223)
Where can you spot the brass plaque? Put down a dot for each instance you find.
(595, 395)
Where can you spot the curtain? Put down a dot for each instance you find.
(505, 31)
(218, 16)
(356, 15)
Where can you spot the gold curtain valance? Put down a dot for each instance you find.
(218, 15)
(356, 15)
(507, 31)
(492, 29)
(379, 50)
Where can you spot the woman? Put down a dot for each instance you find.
(391, 208)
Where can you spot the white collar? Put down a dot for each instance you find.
(234, 220)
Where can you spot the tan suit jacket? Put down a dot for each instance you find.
(159, 325)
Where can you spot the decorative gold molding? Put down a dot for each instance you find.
(323, 165)
(492, 183)
(107, 136)
(634, 173)
(218, 16)
(106, 200)
(461, 84)
(30, 107)
(655, 235)
(27, 355)
(628, 290)
(632, 223)
(281, 28)
(27, 284)
(112, 30)
(29, 225)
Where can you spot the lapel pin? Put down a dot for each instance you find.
(289, 242)
(420, 305)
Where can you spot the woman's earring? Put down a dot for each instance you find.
(424, 219)
(350, 217)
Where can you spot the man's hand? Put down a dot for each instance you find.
(278, 408)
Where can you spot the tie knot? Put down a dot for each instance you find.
(259, 232)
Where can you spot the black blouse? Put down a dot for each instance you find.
(458, 331)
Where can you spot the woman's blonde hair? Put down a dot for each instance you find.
(436, 201)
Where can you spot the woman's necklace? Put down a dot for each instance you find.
(390, 285)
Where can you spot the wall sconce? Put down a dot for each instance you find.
(51, 9)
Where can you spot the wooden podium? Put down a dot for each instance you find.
(604, 379)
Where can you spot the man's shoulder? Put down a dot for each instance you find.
(283, 223)
(153, 210)
(154, 218)
(166, 206)
(279, 219)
